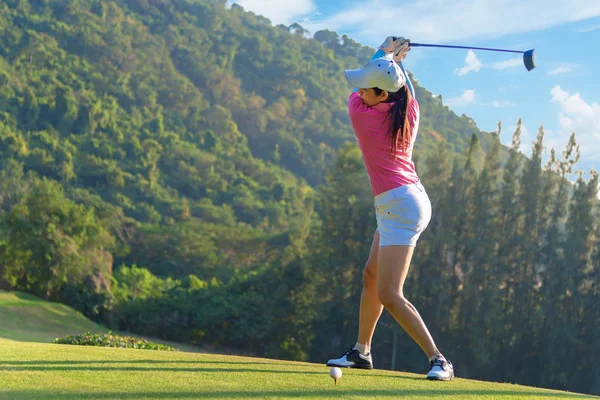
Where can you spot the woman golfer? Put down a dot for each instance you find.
(385, 118)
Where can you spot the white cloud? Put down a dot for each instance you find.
(499, 104)
(564, 69)
(559, 70)
(472, 64)
(588, 29)
(466, 98)
(511, 63)
(583, 118)
(502, 103)
(450, 20)
(278, 11)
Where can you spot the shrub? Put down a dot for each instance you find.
(110, 340)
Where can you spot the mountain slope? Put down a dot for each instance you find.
(183, 112)
(25, 317)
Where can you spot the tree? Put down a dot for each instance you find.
(592, 299)
(480, 299)
(525, 287)
(561, 335)
(508, 250)
(579, 269)
(52, 241)
(432, 267)
(136, 283)
(30, 110)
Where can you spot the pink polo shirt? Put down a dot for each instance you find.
(371, 126)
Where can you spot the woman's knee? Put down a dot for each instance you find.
(389, 297)
(370, 275)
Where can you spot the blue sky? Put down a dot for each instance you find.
(562, 92)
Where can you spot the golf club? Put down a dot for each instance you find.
(527, 55)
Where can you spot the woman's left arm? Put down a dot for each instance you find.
(408, 82)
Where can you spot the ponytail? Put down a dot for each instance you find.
(400, 127)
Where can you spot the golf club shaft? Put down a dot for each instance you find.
(462, 47)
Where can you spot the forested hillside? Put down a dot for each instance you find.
(186, 170)
(197, 131)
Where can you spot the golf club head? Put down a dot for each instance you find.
(528, 60)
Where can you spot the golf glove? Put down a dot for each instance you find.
(397, 45)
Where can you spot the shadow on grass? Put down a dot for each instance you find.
(81, 365)
(53, 366)
(30, 368)
(292, 394)
(83, 362)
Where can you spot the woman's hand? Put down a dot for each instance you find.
(397, 45)
(401, 52)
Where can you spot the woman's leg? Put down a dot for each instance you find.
(393, 264)
(370, 311)
(370, 307)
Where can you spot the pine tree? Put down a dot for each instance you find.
(559, 335)
(551, 180)
(480, 295)
(592, 299)
(578, 251)
(431, 260)
(462, 225)
(525, 286)
(508, 254)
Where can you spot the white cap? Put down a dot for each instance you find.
(383, 73)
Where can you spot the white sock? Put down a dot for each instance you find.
(437, 355)
(364, 349)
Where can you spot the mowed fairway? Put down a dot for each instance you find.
(49, 371)
(31, 367)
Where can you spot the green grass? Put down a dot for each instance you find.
(25, 317)
(30, 370)
(51, 371)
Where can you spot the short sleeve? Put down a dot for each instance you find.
(413, 113)
(355, 104)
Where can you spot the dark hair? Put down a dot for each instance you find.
(399, 116)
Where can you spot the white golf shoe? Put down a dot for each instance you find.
(352, 359)
(441, 370)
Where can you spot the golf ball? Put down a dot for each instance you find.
(335, 373)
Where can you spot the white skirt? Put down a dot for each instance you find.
(403, 214)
